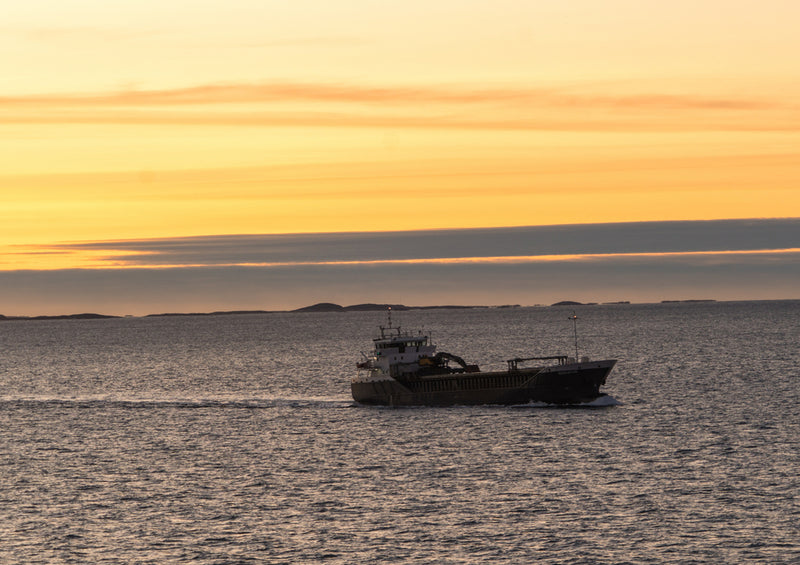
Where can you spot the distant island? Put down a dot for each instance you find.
(64, 317)
(326, 307)
(370, 307)
(573, 303)
(223, 313)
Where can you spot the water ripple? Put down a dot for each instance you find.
(118, 446)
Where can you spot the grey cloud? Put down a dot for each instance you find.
(647, 237)
(638, 279)
(212, 286)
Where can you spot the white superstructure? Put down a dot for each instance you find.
(396, 353)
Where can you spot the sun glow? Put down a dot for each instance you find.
(154, 120)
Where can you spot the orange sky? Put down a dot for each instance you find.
(152, 120)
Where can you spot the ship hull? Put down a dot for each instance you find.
(570, 384)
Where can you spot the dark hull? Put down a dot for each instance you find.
(577, 383)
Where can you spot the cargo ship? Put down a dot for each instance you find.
(405, 369)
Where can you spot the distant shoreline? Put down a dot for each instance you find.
(321, 307)
(62, 317)
(327, 307)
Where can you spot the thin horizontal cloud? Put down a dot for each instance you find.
(291, 92)
(436, 121)
(217, 288)
(356, 179)
(717, 257)
(361, 106)
(493, 245)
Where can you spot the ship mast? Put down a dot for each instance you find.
(574, 319)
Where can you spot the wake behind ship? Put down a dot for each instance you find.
(405, 370)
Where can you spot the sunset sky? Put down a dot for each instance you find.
(131, 126)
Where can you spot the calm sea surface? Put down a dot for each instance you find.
(234, 439)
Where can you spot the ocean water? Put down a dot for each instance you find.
(233, 439)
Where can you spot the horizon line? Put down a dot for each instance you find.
(249, 312)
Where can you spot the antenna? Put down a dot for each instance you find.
(574, 319)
